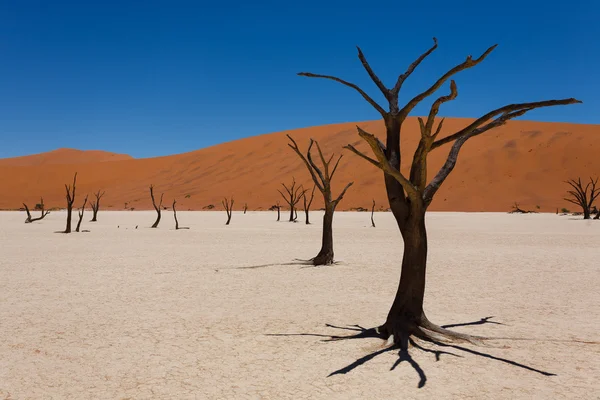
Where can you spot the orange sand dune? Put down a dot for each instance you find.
(524, 161)
(64, 156)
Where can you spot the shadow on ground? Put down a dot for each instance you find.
(404, 355)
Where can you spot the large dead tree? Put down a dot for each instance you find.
(410, 196)
(96, 205)
(292, 196)
(228, 206)
(583, 196)
(157, 208)
(322, 179)
(41, 207)
(308, 202)
(80, 212)
(70, 200)
(177, 227)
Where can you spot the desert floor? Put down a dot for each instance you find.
(120, 313)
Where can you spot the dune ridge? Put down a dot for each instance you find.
(524, 161)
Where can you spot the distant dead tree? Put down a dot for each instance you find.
(583, 196)
(70, 200)
(410, 196)
(518, 210)
(228, 205)
(307, 203)
(322, 179)
(245, 207)
(157, 208)
(372, 212)
(292, 196)
(278, 206)
(42, 216)
(80, 212)
(96, 205)
(175, 216)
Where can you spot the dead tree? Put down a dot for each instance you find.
(96, 205)
(292, 196)
(322, 179)
(278, 206)
(245, 207)
(410, 196)
(70, 200)
(175, 216)
(157, 208)
(518, 210)
(372, 212)
(228, 205)
(80, 212)
(307, 203)
(581, 197)
(42, 216)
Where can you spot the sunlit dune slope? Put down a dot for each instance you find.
(524, 161)
(64, 156)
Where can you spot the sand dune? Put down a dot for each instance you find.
(120, 313)
(523, 161)
(63, 156)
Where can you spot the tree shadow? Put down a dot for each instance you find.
(403, 354)
(274, 265)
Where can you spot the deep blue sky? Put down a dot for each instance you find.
(153, 78)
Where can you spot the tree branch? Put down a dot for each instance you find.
(468, 63)
(352, 85)
(369, 159)
(506, 112)
(412, 67)
(374, 77)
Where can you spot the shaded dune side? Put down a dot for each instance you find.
(523, 161)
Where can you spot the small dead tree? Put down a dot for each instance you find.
(42, 216)
(228, 205)
(175, 216)
(307, 203)
(80, 212)
(157, 208)
(245, 207)
(583, 196)
(518, 210)
(292, 196)
(372, 212)
(70, 200)
(96, 205)
(278, 206)
(410, 196)
(322, 179)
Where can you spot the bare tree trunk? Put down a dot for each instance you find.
(325, 256)
(42, 216)
(81, 214)
(96, 205)
(175, 215)
(307, 203)
(245, 207)
(322, 179)
(157, 208)
(228, 205)
(70, 200)
(278, 212)
(372, 212)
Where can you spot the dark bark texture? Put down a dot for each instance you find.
(292, 196)
(410, 196)
(81, 211)
(228, 206)
(156, 207)
(42, 216)
(95, 204)
(322, 178)
(307, 204)
(70, 200)
(583, 196)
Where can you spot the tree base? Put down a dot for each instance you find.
(323, 258)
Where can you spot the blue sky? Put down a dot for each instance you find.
(161, 77)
